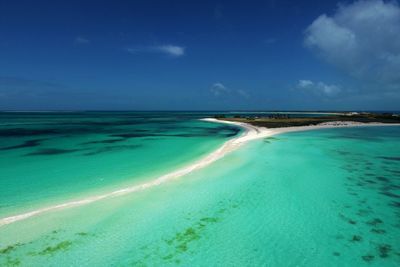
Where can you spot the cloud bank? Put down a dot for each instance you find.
(319, 88)
(362, 39)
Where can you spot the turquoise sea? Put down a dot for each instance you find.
(317, 198)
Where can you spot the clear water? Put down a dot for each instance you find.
(52, 157)
(316, 198)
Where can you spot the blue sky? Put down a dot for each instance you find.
(199, 55)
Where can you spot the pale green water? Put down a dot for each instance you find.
(317, 198)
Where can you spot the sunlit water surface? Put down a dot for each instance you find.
(316, 198)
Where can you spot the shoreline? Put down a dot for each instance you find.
(263, 132)
(251, 133)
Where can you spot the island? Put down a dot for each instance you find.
(279, 120)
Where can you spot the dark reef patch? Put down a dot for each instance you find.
(85, 234)
(347, 219)
(352, 222)
(395, 204)
(134, 135)
(363, 212)
(378, 231)
(368, 258)
(106, 141)
(389, 194)
(59, 131)
(10, 248)
(29, 143)
(20, 132)
(384, 250)
(181, 241)
(224, 131)
(342, 152)
(12, 261)
(209, 219)
(383, 179)
(390, 158)
(374, 222)
(270, 139)
(82, 234)
(101, 124)
(51, 151)
(111, 149)
(356, 238)
(50, 250)
(363, 201)
(390, 187)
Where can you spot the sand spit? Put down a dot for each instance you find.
(254, 132)
(250, 133)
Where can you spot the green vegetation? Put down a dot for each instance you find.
(283, 120)
(183, 241)
(12, 262)
(58, 247)
(82, 234)
(9, 248)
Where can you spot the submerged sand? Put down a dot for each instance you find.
(251, 133)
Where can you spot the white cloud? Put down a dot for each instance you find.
(171, 50)
(305, 83)
(218, 89)
(362, 39)
(319, 88)
(81, 40)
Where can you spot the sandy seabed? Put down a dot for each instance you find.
(251, 133)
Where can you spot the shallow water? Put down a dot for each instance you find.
(53, 157)
(317, 198)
